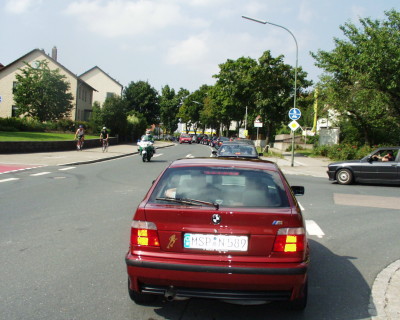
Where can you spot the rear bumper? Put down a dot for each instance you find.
(261, 282)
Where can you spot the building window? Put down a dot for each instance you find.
(87, 115)
(110, 94)
(14, 110)
(15, 84)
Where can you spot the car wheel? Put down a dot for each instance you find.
(140, 298)
(344, 176)
(300, 303)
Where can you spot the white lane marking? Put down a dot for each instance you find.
(189, 156)
(9, 179)
(301, 207)
(68, 168)
(157, 155)
(313, 229)
(39, 174)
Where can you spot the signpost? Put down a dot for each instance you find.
(258, 124)
(294, 114)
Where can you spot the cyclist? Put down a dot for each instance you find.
(104, 135)
(80, 135)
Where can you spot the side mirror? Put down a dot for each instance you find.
(298, 190)
(260, 154)
(214, 152)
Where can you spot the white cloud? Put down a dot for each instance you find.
(122, 18)
(189, 51)
(21, 6)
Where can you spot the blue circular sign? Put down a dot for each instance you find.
(294, 114)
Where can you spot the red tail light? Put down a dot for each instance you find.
(290, 240)
(144, 233)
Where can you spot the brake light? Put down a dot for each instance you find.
(144, 233)
(290, 240)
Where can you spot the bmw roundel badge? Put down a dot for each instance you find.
(216, 218)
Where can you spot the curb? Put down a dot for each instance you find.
(383, 292)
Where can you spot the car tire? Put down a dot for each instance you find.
(140, 298)
(344, 176)
(300, 304)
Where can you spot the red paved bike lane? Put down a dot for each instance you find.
(7, 168)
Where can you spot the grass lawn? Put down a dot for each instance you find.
(39, 136)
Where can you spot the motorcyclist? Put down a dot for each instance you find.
(149, 135)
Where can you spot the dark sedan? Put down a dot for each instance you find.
(380, 166)
(237, 149)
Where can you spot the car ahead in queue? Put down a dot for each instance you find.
(380, 166)
(237, 149)
(221, 141)
(228, 229)
(185, 138)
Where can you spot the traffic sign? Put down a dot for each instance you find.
(294, 125)
(294, 114)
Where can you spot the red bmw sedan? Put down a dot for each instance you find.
(228, 229)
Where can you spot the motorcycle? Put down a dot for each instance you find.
(146, 148)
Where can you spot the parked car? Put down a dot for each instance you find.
(236, 149)
(185, 138)
(219, 228)
(213, 141)
(199, 137)
(205, 139)
(376, 167)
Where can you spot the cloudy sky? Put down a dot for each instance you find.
(175, 42)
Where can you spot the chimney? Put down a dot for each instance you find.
(54, 53)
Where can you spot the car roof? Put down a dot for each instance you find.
(257, 164)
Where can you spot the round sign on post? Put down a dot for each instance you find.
(294, 114)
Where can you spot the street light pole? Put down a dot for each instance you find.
(295, 70)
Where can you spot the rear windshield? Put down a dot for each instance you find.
(227, 187)
(237, 150)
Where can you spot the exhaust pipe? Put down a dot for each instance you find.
(170, 294)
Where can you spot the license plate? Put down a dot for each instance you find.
(215, 242)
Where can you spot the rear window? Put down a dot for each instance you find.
(237, 150)
(227, 187)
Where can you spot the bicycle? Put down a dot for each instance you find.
(79, 143)
(104, 146)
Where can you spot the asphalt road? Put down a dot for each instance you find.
(64, 232)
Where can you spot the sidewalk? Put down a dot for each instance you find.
(385, 293)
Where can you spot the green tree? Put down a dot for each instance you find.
(274, 85)
(169, 107)
(363, 77)
(234, 90)
(114, 116)
(190, 110)
(136, 125)
(143, 98)
(42, 93)
(96, 120)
